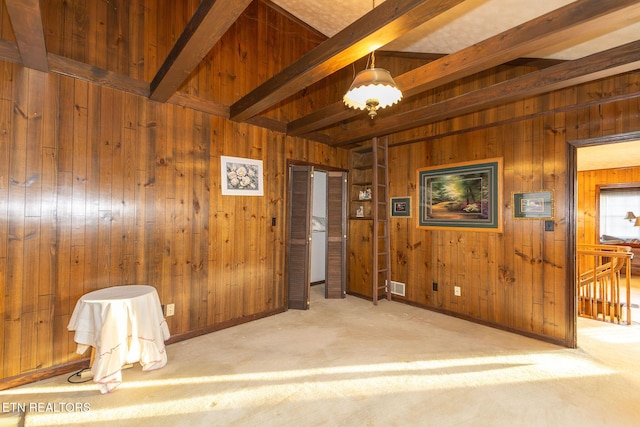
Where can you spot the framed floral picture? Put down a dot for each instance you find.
(241, 177)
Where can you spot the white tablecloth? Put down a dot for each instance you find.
(125, 325)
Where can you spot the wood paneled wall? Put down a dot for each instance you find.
(516, 279)
(102, 188)
(587, 200)
(128, 37)
(133, 37)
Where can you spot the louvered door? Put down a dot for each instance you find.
(299, 239)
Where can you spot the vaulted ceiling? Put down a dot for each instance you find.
(582, 41)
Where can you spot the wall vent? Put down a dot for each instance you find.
(397, 288)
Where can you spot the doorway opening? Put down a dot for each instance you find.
(589, 172)
(318, 256)
(316, 233)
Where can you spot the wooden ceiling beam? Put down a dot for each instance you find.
(608, 63)
(95, 75)
(26, 19)
(199, 104)
(9, 52)
(99, 76)
(205, 28)
(599, 100)
(552, 28)
(383, 24)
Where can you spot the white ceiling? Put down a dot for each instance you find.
(468, 23)
(610, 156)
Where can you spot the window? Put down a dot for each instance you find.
(614, 204)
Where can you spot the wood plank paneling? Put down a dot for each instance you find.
(16, 232)
(360, 251)
(109, 155)
(124, 190)
(128, 190)
(516, 279)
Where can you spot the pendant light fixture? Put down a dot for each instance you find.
(372, 89)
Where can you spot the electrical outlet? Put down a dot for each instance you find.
(171, 309)
(434, 286)
(456, 291)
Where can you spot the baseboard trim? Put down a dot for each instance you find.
(42, 374)
(77, 365)
(533, 335)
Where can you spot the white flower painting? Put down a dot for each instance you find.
(241, 177)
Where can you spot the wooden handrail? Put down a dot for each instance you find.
(599, 269)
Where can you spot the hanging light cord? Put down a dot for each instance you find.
(373, 52)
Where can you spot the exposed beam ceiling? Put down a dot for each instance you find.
(205, 28)
(27, 24)
(463, 26)
(390, 21)
(378, 27)
(553, 27)
(604, 64)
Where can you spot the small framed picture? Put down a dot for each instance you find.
(401, 207)
(241, 177)
(538, 205)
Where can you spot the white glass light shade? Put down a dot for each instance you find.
(372, 88)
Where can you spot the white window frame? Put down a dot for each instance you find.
(614, 203)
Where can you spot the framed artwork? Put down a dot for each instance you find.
(401, 206)
(538, 205)
(241, 177)
(464, 196)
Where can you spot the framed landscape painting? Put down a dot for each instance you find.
(464, 196)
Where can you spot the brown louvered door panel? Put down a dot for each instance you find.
(335, 278)
(300, 191)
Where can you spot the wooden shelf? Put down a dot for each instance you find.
(360, 179)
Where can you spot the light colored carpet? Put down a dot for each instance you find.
(350, 363)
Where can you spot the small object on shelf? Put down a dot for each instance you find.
(364, 195)
(360, 212)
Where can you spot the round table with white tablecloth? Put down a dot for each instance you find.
(124, 324)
